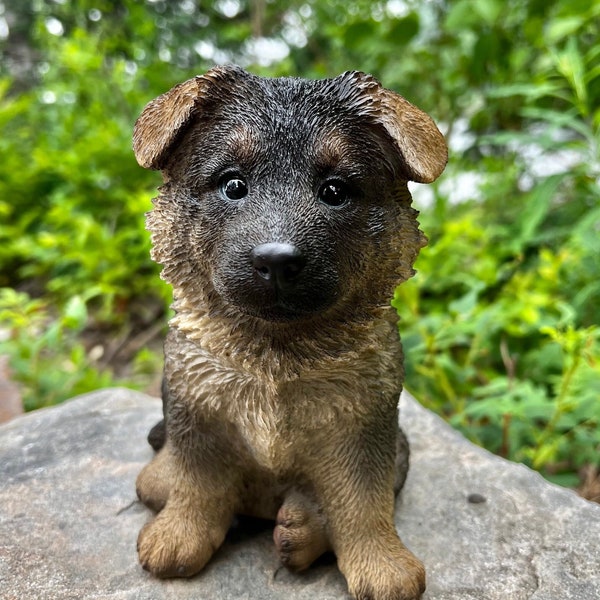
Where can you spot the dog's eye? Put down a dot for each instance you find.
(234, 187)
(334, 193)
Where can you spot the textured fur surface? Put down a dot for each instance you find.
(281, 396)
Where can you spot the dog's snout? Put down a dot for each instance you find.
(277, 264)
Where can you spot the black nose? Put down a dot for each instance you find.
(277, 264)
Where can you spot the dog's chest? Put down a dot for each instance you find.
(273, 423)
(253, 407)
(262, 433)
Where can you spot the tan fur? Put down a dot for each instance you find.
(293, 421)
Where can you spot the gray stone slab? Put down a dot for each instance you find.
(69, 518)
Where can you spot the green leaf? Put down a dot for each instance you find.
(558, 29)
(75, 314)
(536, 205)
(402, 31)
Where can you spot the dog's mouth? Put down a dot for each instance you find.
(277, 307)
(279, 312)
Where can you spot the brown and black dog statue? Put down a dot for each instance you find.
(283, 225)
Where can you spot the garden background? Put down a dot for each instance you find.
(500, 324)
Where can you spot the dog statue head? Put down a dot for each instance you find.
(285, 199)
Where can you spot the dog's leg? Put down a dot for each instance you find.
(194, 486)
(299, 534)
(355, 488)
(181, 539)
(373, 559)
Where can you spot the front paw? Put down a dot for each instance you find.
(176, 544)
(386, 575)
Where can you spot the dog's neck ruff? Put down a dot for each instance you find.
(283, 351)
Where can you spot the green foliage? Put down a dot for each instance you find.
(72, 197)
(46, 356)
(499, 342)
(499, 326)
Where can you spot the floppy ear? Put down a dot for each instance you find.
(420, 142)
(422, 147)
(167, 117)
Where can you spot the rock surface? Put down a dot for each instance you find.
(486, 529)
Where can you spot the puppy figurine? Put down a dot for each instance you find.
(283, 225)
